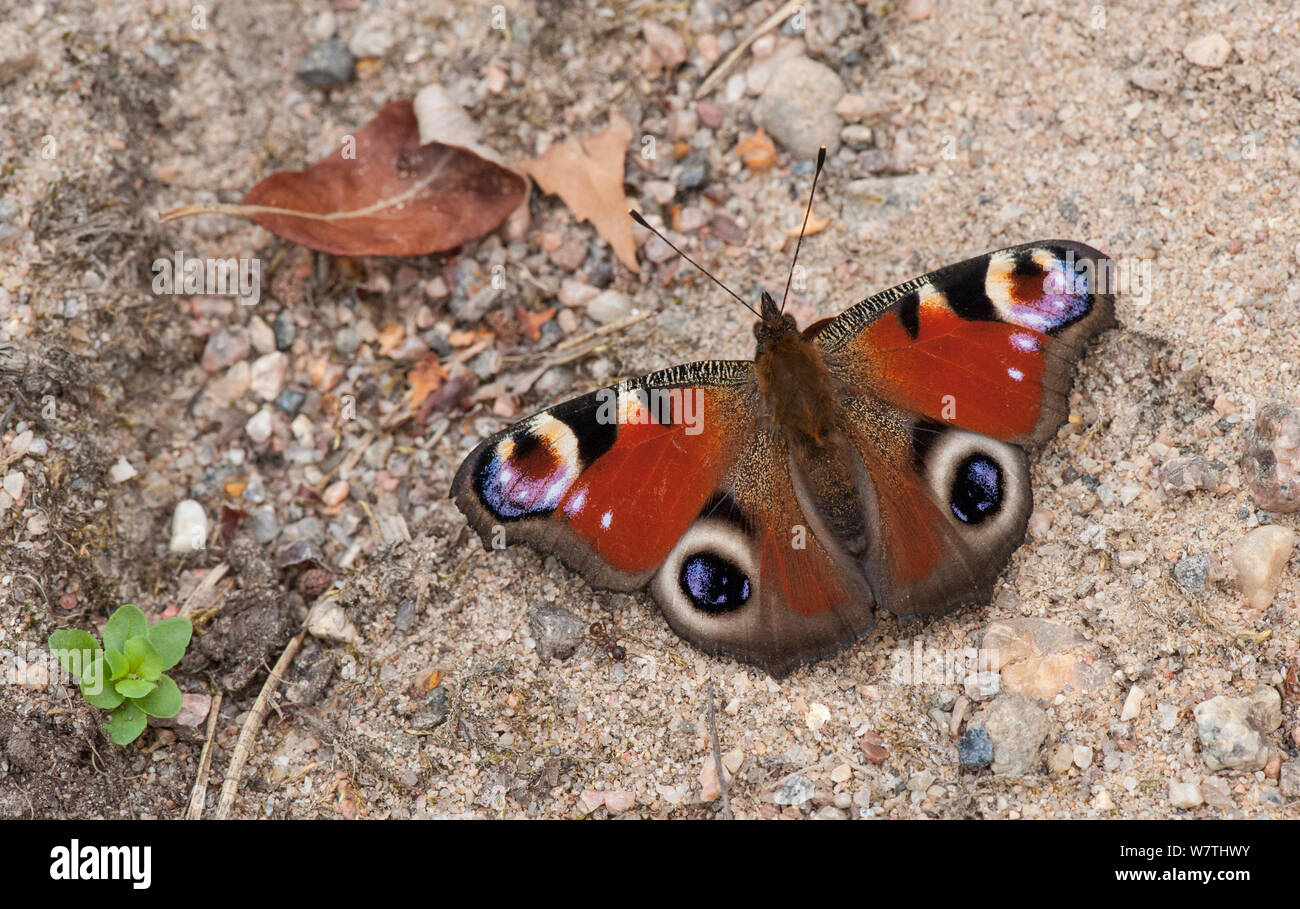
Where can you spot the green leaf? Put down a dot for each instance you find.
(96, 687)
(125, 724)
(134, 688)
(171, 637)
(127, 622)
(146, 662)
(118, 665)
(73, 648)
(163, 701)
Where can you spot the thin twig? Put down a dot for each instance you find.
(604, 330)
(198, 597)
(248, 734)
(721, 70)
(717, 758)
(200, 794)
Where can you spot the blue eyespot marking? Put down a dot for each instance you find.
(713, 584)
(976, 489)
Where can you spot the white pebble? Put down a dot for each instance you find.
(259, 426)
(1185, 795)
(189, 527)
(1208, 51)
(1132, 704)
(267, 375)
(121, 471)
(818, 715)
(1260, 558)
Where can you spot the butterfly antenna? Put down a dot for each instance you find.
(636, 216)
(821, 162)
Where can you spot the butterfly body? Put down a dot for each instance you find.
(873, 460)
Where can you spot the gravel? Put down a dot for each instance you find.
(1163, 162)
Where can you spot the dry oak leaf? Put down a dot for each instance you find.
(757, 151)
(391, 337)
(426, 377)
(815, 225)
(530, 323)
(398, 196)
(587, 173)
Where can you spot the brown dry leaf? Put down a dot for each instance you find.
(757, 151)
(530, 323)
(426, 377)
(458, 338)
(391, 337)
(400, 195)
(815, 225)
(587, 173)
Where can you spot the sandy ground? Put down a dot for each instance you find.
(998, 123)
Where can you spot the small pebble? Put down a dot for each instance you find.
(1208, 51)
(284, 329)
(1016, 725)
(372, 38)
(335, 493)
(1260, 558)
(918, 10)
(1233, 731)
(975, 749)
(797, 108)
(855, 135)
(326, 63)
(290, 400)
(609, 306)
(711, 115)
(266, 378)
(1185, 795)
(817, 717)
(225, 347)
(347, 340)
(1192, 571)
(1288, 782)
(329, 622)
(576, 293)
(695, 170)
(1270, 460)
(1132, 704)
(189, 527)
(120, 472)
(1061, 759)
(795, 791)
(556, 631)
(1217, 793)
(259, 426)
(666, 43)
(261, 335)
(1184, 475)
(830, 813)
(873, 747)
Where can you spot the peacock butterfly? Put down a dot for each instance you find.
(874, 459)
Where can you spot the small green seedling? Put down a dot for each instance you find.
(125, 676)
